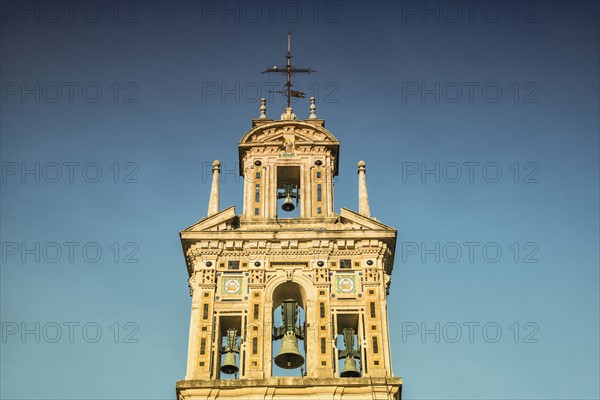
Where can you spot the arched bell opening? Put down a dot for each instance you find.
(230, 354)
(347, 344)
(289, 330)
(288, 192)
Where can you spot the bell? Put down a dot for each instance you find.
(288, 204)
(350, 370)
(289, 357)
(229, 365)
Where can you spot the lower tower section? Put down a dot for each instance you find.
(289, 309)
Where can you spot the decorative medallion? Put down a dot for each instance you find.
(232, 286)
(346, 284)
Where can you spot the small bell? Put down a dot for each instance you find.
(288, 204)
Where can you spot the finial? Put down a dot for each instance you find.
(363, 196)
(313, 109)
(288, 115)
(213, 202)
(263, 109)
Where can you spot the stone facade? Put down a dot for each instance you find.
(242, 267)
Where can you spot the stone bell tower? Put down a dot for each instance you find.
(289, 297)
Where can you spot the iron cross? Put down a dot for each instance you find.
(289, 70)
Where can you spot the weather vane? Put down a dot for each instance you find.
(289, 70)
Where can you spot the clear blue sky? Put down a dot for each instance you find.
(495, 291)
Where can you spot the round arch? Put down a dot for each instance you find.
(280, 288)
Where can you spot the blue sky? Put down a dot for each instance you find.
(478, 122)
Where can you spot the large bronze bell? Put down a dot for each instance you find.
(289, 357)
(349, 353)
(350, 370)
(288, 204)
(288, 194)
(229, 364)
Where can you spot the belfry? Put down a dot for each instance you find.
(289, 297)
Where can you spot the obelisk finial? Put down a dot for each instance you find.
(213, 202)
(363, 196)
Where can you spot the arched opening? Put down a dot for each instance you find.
(289, 349)
(230, 357)
(288, 192)
(347, 343)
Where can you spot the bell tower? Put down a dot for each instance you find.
(289, 297)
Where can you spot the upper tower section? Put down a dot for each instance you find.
(288, 167)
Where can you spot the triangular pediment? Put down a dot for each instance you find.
(221, 221)
(352, 220)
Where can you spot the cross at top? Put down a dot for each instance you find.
(289, 70)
